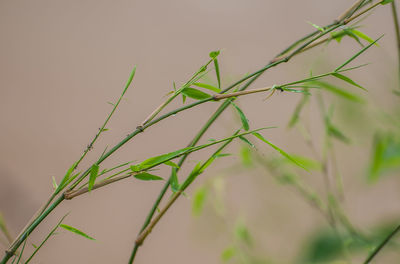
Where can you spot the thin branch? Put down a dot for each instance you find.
(381, 245)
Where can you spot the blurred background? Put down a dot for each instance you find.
(62, 61)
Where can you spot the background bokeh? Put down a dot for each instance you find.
(62, 61)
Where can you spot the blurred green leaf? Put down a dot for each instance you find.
(242, 233)
(385, 155)
(76, 231)
(323, 247)
(296, 114)
(283, 153)
(242, 117)
(144, 176)
(310, 164)
(195, 94)
(339, 92)
(245, 156)
(336, 133)
(199, 197)
(93, 175)
(228, 253)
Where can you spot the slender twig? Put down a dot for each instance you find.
(381, 245)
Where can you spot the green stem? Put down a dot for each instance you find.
(381, 245)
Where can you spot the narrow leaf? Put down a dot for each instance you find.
(348, 80)
(174, 181)
(245, 140)
(339, 92)
(144, 176)
(66, 177)
(93, 175)
(199, 197)
(76, 231)
(195, 94)
(172, 164)
(283, 153)
(363, 36)
(207, 86)
(316, 26)
(243, 118)
(55, 185)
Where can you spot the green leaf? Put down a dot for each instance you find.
(245, 140)
(386, 2)
(363, 36)
(207, 86)
(339, 92)
(310, 164)
(66, 178)
(172, 164)
(144, 176)
(348, 80)
(228, 253)
(157, 160)
(335, 132)
(283, 153)
(242, 117)
(183, 98)
(223, 155)
(76, 231)
(93, 175)
(195, 94)
(135, 168)
(174, 181)
(199, 197)
(214, 54)
(317, 27)
(55, 186)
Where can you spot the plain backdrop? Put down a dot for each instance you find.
(62, 61)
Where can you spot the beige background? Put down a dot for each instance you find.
(61, 61)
